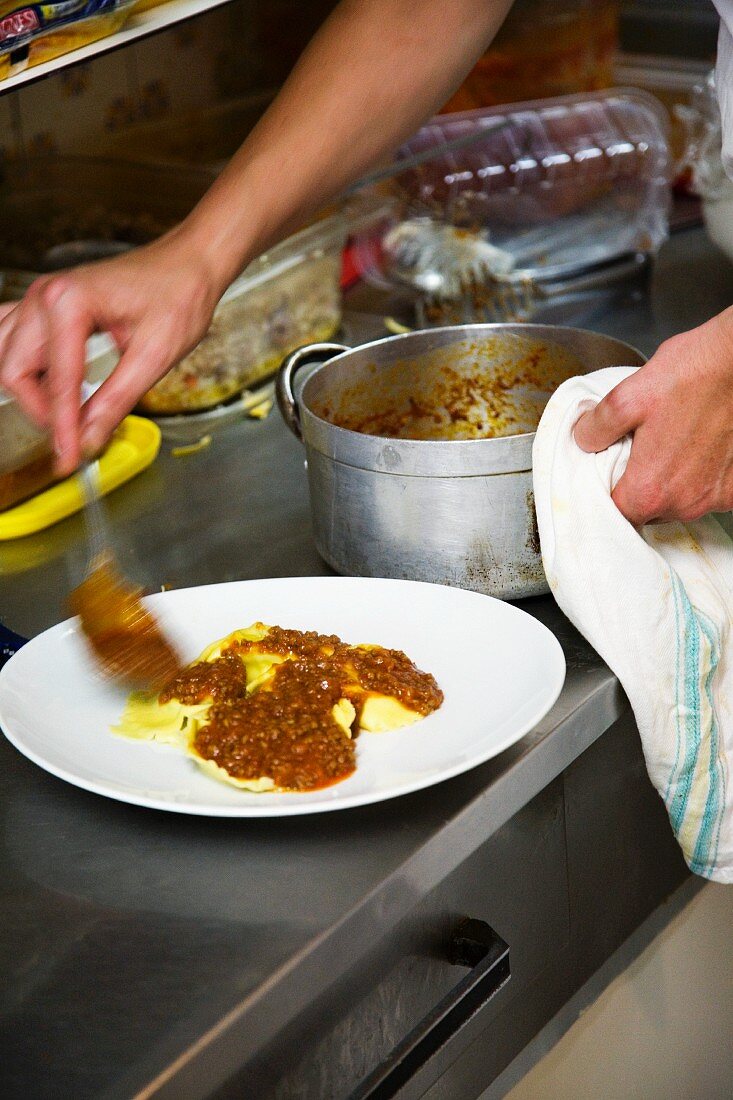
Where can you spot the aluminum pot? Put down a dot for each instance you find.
(450, 511)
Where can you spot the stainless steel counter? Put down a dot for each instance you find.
(138, 946)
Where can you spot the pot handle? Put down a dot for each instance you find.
(284, 393)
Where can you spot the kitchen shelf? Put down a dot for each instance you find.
(138, 26)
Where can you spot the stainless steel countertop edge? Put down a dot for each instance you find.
(540, 757)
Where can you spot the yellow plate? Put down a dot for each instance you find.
(132, 448)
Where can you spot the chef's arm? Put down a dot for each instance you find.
(370, 77)
(373, 73)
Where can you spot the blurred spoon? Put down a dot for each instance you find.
(125, 638)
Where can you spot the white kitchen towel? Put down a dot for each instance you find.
(657, 605)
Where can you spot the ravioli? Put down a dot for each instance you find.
(267, 708)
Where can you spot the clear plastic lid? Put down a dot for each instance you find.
(547, 188)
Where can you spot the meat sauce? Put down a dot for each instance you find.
(493, 391)
(124, 635)
(286, 730)
(223, 678)
(18, 485)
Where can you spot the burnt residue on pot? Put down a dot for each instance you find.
(533, 538)
(485, 572)
(477, 389)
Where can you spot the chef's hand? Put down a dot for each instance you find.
(156, 302)
(679, 407)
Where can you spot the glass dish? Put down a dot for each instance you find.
(26, 460)
(289, 296)
(59, 210)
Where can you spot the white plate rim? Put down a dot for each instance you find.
(302, 808)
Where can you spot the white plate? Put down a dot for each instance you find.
(499, 668)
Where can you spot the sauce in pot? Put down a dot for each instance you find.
(477, 390)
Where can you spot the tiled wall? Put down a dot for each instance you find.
(242, 46)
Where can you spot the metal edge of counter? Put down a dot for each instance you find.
(219, 1053)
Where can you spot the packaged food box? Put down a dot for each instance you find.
(32, 33)
(145, 5)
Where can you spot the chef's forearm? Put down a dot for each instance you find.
(373, 73)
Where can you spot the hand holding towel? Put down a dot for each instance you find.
(657, 605)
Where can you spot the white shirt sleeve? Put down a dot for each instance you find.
(724, 79)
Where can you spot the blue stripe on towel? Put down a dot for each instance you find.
(706, 849)
(688, 706)
(690, 735)
(679, 634)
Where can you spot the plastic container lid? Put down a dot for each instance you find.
(132, 448)
(557, 184)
